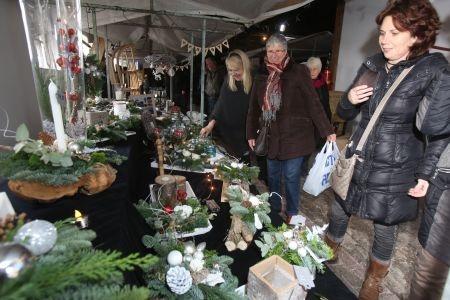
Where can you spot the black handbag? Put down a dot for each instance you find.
(262, 141)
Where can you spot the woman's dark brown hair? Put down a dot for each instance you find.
(418, 17)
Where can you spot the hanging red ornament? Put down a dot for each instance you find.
(71, 47)
(73, 96)
(61, 62)
(74, 58)
(181, 196)
(70, 32)
(75, 69)
(168, 209)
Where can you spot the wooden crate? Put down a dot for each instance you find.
(274, 279)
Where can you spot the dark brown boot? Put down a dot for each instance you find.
(371, 287)
(335, 247)
(429, 277)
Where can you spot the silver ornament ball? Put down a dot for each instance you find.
(38, 236)
(13, 259)
(75, 147)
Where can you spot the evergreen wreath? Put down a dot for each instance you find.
(170, 219)
(298, 246)
(36, 162)
(156, 275)
(230, 170)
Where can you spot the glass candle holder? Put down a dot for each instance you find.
(54, 37)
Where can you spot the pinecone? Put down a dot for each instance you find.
(179, 280)
(46, 138)
(246, 204)
(9, 224)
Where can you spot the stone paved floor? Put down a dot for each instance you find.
(353, 258)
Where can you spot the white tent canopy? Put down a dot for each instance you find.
(175, 20)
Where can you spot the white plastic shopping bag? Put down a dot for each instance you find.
(319, 176)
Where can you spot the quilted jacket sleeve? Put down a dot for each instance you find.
(433, 151)
(433, 116)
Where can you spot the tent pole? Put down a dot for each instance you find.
(191, 71)
(94, 25)
(171, 88)
(108, 82)
(202, 74)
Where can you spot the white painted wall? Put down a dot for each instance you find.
(359, 38)
(17, 92)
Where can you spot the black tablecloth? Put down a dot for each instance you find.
(327, 284)
(119, 226)
(111, 213)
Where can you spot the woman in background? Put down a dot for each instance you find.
(314, 65)
(230, 112)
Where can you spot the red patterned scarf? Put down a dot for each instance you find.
(272, 96)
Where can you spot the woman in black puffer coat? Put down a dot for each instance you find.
(395, 160)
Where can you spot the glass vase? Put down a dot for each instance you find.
(54, 37)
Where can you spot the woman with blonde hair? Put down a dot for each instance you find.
(230, 113)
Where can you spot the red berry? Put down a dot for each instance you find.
(181, 195)
(75, 69)
(61, 62)
(73, 96)
(70, 31)
(71, 47)
(74, 58)
(168, 209)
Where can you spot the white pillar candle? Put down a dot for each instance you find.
(57, 118)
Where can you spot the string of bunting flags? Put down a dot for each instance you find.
(197, 49)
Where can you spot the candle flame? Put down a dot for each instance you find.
(78, 216)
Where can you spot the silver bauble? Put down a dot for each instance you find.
(87, 71)
(75, 147)
(13, 258)
(38, 236)
(171, 72)
(189, 247)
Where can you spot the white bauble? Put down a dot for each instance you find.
(38, 236)
(196, 265)
(289, 234)
(175, 258)
(302, 252)
(189, 247)
(293, 245)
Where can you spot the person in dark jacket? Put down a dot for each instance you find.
(314, 65)
(395, 162)
(230, 112)
(214, 76)
(433, 261)
(284, 97)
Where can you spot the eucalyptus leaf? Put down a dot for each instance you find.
(22, 133)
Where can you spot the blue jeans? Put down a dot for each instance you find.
(384, 235)
(290, 170)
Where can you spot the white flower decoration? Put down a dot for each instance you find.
(289, 234)
(302, 251)
(195, 156)
(186, 153)
(254, 200)
(234, 165)
(240, 166)
(196, 265)
(293, 245)
(184, 210)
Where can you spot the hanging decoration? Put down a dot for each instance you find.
(164, 64)
(197, 49)
(54, 41)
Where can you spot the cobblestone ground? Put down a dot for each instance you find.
(355, 249)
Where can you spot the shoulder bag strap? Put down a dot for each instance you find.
(380, 108)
